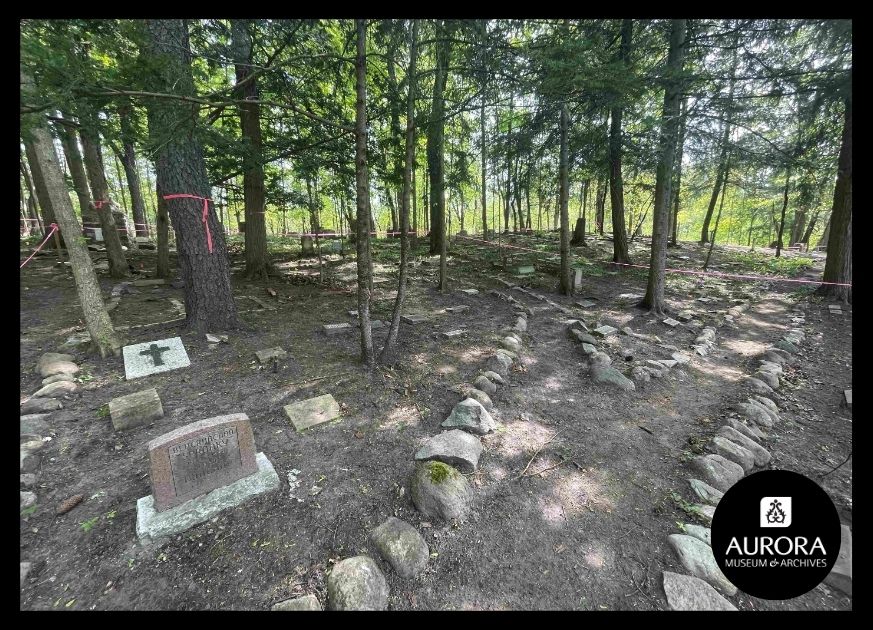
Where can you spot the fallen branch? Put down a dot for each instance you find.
(537, 453)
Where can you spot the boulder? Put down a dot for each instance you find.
(50, 368)
(26, 500)
(600, 358)
(772, 414)
(53, 357)
(481, 397)
(39, 405)
(307, 602)
(456, 448)
(510, 343)
(755, 414)
(494, 377)
(787, 346)
(767, 403)
(758, 386)
(470, 415)
(34, 424)
(734, 452)
(698, 559)
(749, 430)
(608, 375)
(482, 383)
(761, 455)
(700, 532)
(769, 378)
(401, 546)
(357, 584)
(640, 375)
(685, 592)
(440, 491)
(499, 363)
(717, 471)
(58, 377)
(57, 388)
(137, 409)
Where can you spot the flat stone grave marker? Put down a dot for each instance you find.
(523, 270)
(413, 319)
(143, 359)
(848, 395)
(685, 316)
(672, 323)
(270, 353)
(199, 470)
(605, 331)
(453, 333)
(133, 410)
(629, 297)
(457, 309)
(470, 291)
(312, 412)
(149, 282)
(585, 303)
(577, 277)
(335, 329)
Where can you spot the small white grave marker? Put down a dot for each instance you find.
(152, 357)
(672, 323)
(333, 329)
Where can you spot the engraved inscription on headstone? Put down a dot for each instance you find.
(200, 457)
(195, 461)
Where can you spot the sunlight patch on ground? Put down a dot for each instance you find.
(553, 382)
(446, 369)
(597, 556)
(576, 491)
(519, 440)
(399, 418)
(745, 347)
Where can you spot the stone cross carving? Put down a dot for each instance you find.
(155, 351)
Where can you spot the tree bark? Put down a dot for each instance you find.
(32, 211)
(45, 201)
(838, 266)
(73, 156)
(181, 170)
(258, 264)
(616, 186)
(388, 352)
(102, 203)
(654, 298)
(566, 284)
(600, 205)
(162, 221)
(97, 320)
(673, 229)
(128, 161)
(363, 195)
(779, 243)
(435, 147)
(484, 180)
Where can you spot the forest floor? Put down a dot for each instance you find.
(588, 534)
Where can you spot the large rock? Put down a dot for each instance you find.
(706, 492)
(768, 377)
(749, 430)
(697, 558)
(761, 455)
(357, 584)
(401, 546)
(756, 414)
(34, 424)
(481, 397)
(608, 375)
(29, 461)
(456, 448)
(840, 576)
(758, 386)
(600, 358)
(23, 572)
(510, 344)
(26, 500)
(56, 389)
(640, 375)
(772, 414)
(499, 363)
(786, 356)
(307, 602)
(135, 409)
(53, 357)
(701, 533)
(57, 366)
(471, 416)
(734, 452)
(685, 592)
(494, 377)
(582, 337)
(769, 404)
(717, 471)
(39, 405)
(48, 380)
(482, 383)
(440, 491)
(769, 366)
(775, 356)
(787, 346)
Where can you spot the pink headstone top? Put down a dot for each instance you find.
(199, 457)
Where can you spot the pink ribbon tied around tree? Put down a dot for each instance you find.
(206, 201)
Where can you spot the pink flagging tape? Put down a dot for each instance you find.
(685, 271)
(54, 228)
(206, 201)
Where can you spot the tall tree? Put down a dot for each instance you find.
(616, 185)
(87, 287)
(388, 351)
(131, 173)
(654, 298)
(258, 263)
(102, 202)
(70, 142)
(436, 144)
(566, 284)
(181, 170)
(362, 182)
(838, 266)
(673, 229)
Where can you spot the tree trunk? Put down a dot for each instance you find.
(654, 298)
(181, 170)
(128, 160)
(258, 264)
(809, 228)
(388, 352)
(42, 194)
(363, 195)
(566, 285)
(600, 203)
(32, 212)
(97, 320)
(77, 170)
(673, 230)
(779, 243)
(838, 266)
(484, 180)
(616, 185)
(102, 203)
(435, 142)
(718, 216)
(162, 221)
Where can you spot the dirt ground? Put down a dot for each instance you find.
(586, 534)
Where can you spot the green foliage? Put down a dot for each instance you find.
(89, 524)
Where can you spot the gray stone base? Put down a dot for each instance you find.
(152, 526)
